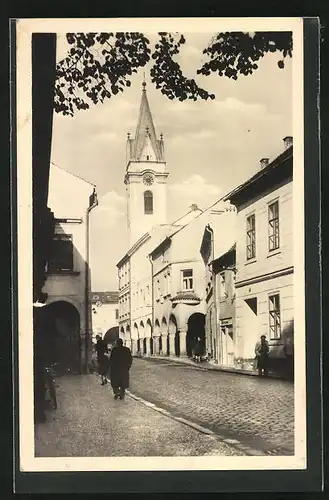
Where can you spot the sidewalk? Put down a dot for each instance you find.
(206, 365)
(90, 423)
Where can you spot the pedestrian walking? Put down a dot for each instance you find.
(120, 363)
(262, 351)
(198, 351)
(102, 359)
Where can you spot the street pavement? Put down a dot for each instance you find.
(257, 412)
(90, 423)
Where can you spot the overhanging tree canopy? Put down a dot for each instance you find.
(99, 65)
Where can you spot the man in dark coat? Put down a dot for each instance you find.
(120, 363)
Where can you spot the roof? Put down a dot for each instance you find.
(111, 297)
(261, 174)
(135, 247)
(176, 229)
(186, 297)
(145, 131)
(194, 208)
(231, 250)
(73, 175)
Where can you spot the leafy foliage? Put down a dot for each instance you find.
(232, 54)
(99, 65)
(167, 74)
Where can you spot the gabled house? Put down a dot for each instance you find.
(264, 261)
(68, 311)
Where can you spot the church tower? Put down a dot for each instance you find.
(146, 176)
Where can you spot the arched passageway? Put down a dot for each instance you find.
(195, 331)
(148, 332)
(63, 336)
(173, 330)
(112, 335)
(128, 337)
(165, 338)
(135, 345)
(142, 344)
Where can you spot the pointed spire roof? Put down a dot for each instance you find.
(145, 140)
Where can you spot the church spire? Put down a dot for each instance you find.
(145, 142)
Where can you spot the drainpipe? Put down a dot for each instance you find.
(130, 297)
(93, 202)
(214, 287)
(152, 295)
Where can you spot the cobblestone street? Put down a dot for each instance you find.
(257, 412)
(89, 423)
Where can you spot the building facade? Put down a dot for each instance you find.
(68, 273)
(179, 284)
(264, 262)
(105, 312)
(218, 254)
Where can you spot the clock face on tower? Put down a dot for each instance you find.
(148, 179)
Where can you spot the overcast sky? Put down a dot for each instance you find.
(210, 146)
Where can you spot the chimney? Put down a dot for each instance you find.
(287, 142)
(264, 162)
(194, 206)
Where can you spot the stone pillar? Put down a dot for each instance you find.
(182, 344)
(162, 348)
(156, 345)
(171, 344)
(133, 346)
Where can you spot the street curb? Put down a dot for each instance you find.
(212, 368)
(204, 430)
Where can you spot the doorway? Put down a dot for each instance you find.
(195, 330)
(63, 332)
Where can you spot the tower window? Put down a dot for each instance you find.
(148, 202)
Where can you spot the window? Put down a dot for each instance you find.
(222, 287)
(116, 313)
(274, 316)
(187, 275)
(273, 226)
(148, 202)
(251, 237)
(62, 253)
(165, 287)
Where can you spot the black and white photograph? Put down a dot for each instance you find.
(160, 220)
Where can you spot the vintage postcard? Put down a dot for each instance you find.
(160, 199)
